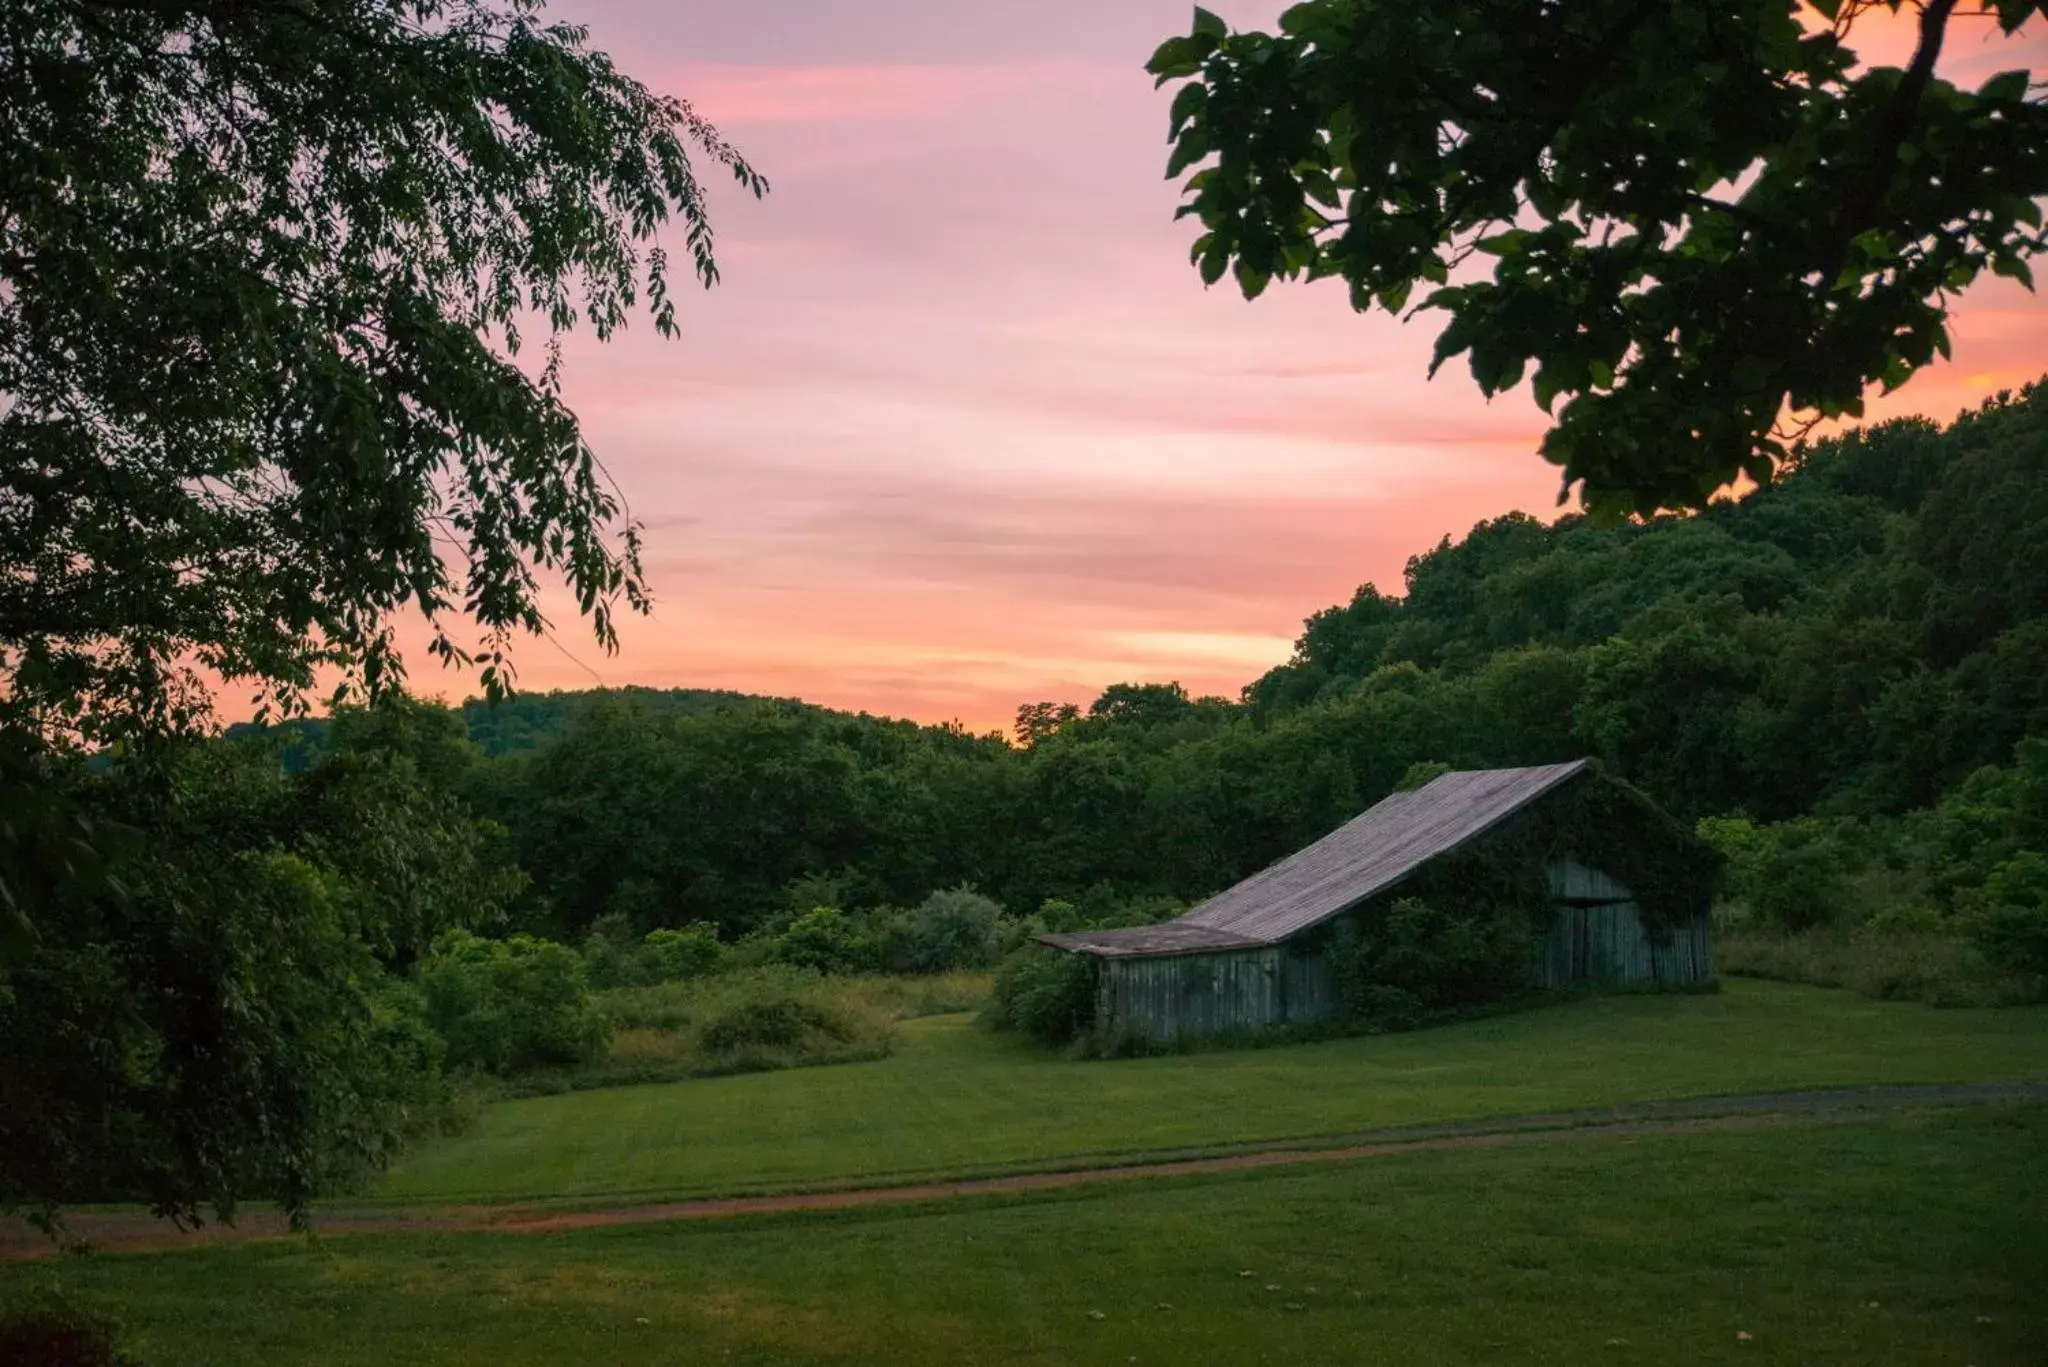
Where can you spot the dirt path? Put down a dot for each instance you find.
(127, 1231)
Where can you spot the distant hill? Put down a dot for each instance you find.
(525, 720)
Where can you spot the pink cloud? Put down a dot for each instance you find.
(742, 97)
(961, 427)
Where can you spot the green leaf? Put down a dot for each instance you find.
(1302, 17)
(1187, 104)
(1174, 58)
(2013, 13)
(1208, 24)
(1317, 185)
(2013, 268)
(2005, 86)
(1190, 148)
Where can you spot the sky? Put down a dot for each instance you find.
(960, 428)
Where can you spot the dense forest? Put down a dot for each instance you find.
(1841, 679)
(1848, 646)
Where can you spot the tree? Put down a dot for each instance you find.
(1037, 720)
(1142, 704)
(1705, 215)
(270, 271)
(211, 1022)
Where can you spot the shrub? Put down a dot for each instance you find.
(825, 939)
(2009, 918)
(955, 928)
(1044, 994)
(774, 1023)
(1102, 907)
(1397, 966)
(611, 956)
(1792, 876)
(677, 955)
(508, 1005)
(891, 938)
(1060, 915)
(1015, 932)
(1420, 775)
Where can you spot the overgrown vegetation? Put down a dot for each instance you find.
(1415, 959)
(1844, 675)
(1853, 642)
(1948, 906)
(1045, 994)
(512, 1005)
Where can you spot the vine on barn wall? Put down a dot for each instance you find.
(1459, 931)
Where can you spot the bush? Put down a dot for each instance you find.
(50, 1332)
(505, 1006)
(1102, 907)
(731, 1022)
(1015, 932)
(611, 956)
(1791, 876)
(1398, 966)
(2009, 918)
(955, 928)
(678, 955)
(775, 1023)
(825, 939)
(1044, 994)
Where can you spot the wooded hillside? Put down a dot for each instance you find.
(1852, 643)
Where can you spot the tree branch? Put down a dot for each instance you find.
(1860, 206)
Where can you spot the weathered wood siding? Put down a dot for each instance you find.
(1607, 946)
(1167, 997)
(1600, 942)
(1572, 881)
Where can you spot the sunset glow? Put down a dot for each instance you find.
(961, 428)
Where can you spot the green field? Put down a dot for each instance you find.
(1921, 1240)
(955, 1099)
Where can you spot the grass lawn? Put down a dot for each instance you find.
(1918, 1240)
(953, 1098)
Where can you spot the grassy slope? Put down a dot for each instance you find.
(1660, 1250)
(952, 1098)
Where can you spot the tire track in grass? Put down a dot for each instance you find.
(131, 1231)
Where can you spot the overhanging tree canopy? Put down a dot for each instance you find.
(1703, 214)
(265, 267)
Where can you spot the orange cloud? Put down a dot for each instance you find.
(961, 428)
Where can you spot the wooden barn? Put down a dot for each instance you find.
(1259, 954)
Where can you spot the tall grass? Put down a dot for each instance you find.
(1929, 964)
(754, 1020)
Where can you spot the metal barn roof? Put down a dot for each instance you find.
(1362, 858)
